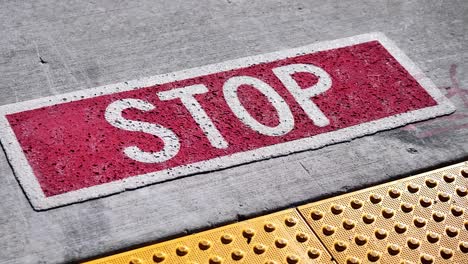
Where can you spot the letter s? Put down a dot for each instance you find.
(114, 116)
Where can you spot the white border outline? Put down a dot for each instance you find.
(39, 201)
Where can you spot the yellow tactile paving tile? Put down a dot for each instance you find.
(419, 219)
(282, 237)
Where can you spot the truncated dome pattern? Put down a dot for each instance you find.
(279, 238)
(421, 219)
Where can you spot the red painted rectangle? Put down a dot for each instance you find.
(71, 145)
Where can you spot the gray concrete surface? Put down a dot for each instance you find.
(52, 47)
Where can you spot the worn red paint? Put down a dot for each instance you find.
(71, 146)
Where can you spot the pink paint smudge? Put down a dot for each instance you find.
(452, 91)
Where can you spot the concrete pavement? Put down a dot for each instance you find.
(51, 48)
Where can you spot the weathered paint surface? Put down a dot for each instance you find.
(107, 140)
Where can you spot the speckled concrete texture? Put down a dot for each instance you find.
(50, 48)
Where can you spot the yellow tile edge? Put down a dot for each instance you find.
(292, 236)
